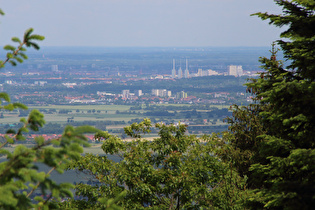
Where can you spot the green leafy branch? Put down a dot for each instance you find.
(19, 172)
(16, 54)
(35, 120)
(19, 175)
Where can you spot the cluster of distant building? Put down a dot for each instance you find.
(126, 94)
(161, 92)
(168, 93)
(233, 70)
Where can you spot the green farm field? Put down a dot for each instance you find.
(62, 118)
(120, 108)
(116, 117)
(189, 105)
(79, 113)
(85, 107)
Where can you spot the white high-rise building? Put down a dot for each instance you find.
(199, 74)
(212, 73)
(239, 71)
(232, 70)
(126, 93)
(155, 92)
(168, 93)
(139, 93)
(54, 67)
(161, 92)
(235, 70)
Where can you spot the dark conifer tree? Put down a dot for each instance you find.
(281, 164)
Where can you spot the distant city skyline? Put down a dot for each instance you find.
(140, 23)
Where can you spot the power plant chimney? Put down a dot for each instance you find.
(173, 70)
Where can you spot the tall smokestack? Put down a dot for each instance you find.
(186, 64)
(173, 70)
(186, 73)
(173, 63)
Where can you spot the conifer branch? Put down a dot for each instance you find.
(37, 185)
(15, 52)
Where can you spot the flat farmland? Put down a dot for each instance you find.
(63, 118)
(79, 113)
(201, 119)
(189, 105)
(85, 107)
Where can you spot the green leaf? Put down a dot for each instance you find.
(13, 63)
(24, 56)
(4, 152)
(9, 107)
(18, 59)
(9, 55)
(9, 47)
(34, 45)
(39, 199)
(23, 120)
(5, 96)
(36, 37)
(8, 139)
(20, 105)
(40, 140)
(20, 137)
(23, 129)
(35, 120)
(27, 34)
(15, 39)
(86, 129)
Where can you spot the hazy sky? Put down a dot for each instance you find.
(148, 23)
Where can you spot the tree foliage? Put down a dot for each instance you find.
(276, 134)
(174, 171)
(19, 173)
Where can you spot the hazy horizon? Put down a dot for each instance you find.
(141, 23)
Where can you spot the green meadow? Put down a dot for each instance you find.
(116, 117)
(80, 113)
(85, 107)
